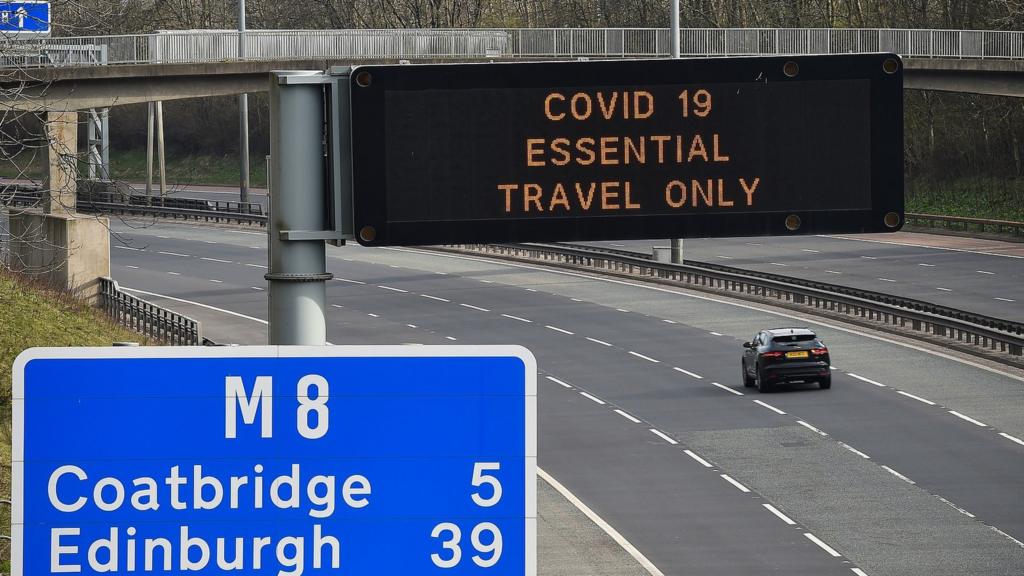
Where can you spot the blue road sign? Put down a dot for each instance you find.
(26, 16)
(363, 460)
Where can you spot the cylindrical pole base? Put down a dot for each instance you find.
(677, 250)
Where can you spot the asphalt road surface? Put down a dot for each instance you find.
(910, 465)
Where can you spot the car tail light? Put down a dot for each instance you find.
(771, 354)
(819, 351)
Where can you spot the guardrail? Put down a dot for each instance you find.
(147, 318)
(189, 46)
(1003, 228)
(1003, 340)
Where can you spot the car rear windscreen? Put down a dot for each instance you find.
(794, 338)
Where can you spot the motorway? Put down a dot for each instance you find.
(910, 465)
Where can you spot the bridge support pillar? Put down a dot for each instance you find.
(60, 161)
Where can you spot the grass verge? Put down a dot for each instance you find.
(31, 315)
(993, 198)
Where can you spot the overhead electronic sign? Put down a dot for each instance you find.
(275, 460)
(553, 151)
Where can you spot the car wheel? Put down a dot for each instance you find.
(761, 382)
(748, 382)
(825, 383)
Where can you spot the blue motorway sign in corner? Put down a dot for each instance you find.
(361, 460)
(24, 17)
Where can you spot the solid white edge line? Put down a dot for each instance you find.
(688, 373)
(863, 379)
(699, 460)
(781, 516)
(831, 551)
(898, 475)
(918, 398)
(557, 329)
(642, 357)
(663, 436)
(627, 416)
(968, 418)
(614, 534)
(769, 406)
(1012, 438)
(592, 397)
(557, 381)
(194, 303)
(517, 318)
(727, 389)
(686, 294)
(596, 341)
(732, 481)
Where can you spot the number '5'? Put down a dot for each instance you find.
(479, 479)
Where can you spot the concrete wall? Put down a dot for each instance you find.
(67, 251)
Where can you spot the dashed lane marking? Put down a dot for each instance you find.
(575, 299)
(382, 287)
(968, 418)
(175, 273)
(349, 281)
(898, 475)
(869, 257)
(337, 306)
(667, 321)
(592, 397)
(811, 428)
(858, 572)
(688, 373)
(372, 315)
(769, 406)
(453, 339)
(699, 460)
(985, 272)
(955, 507)
(732, 481)
(412, 326)
(998, 531)
(642, 357)
(831, 551)
(918, 398)
(596, 341)
(811, 251)
(781, 516)
(778, 264)
(627, 416)
(855, 451)
(530, 289)
(1012, 438)
(663, 436)
(174, 254)
(1004, 299)
(132, 267)
(621, 310)
(727, 389)
(256, 288)
(474, 307)
(886, 279)
(943, 289)
(517, 318)
(130, 248)
(557, 329)
(716, 334)
(256, 266)
(869, 381)
(215, 260)
(927, 265)
(216, 281)
(557, 381)
(439, 299)
(833, 272)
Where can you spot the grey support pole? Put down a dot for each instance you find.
(149, 150)
(297, 268)
(243, 116)
(676, 243)
(160, 147)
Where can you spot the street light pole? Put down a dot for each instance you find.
(243, 116)
(676, 248)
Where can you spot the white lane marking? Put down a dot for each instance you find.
(256, 288)
(209, 242)
(1004, 299)
(715, 334)
(732, 481)
(869, 257)
(175, 273)
(621, 310)
(805, 319)
(811, 428)
(968, 418)
(382, 287)
(869, 381)
(618, 538)
(831, 551)
(256, 266)
(1012, 438)
(474, 307)
(727, 389)
(215, 260)
(859, 572)
(663, 436)
(557, 329)
(688, 373)
(898, 475)
(216, 281)
(194, 303)
(530, 289)
(173, 254)
(855, 451)
(927, 265)
(372, 315)
(918, 398)
(667, 321)
(699, 460)
(778, 264)
(256, 247)
(724, 257)
(955, 507)
(487, 281)
(337, 306)
(441, 273)
(753, 244)
(833, 272)
(393, 266)
(411, 325)
(575, 299)
(132, 267)
(435, 298)
(781, 516)
(809, 250)
(451, 338)
(943, 289)
(517, 318)
(557, 381)
(1019, 543)
(922, 246)
(769, 406)
(886, 279)
(130, 248)
(985, 272)
(162, 237)
(627, 416)
(349, 281)
(592, 397)
(616, 245)
(596, 341)
(642, 357)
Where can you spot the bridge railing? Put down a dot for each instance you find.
(187, 46)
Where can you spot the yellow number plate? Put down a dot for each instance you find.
(802, 354)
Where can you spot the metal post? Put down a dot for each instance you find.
(243, 116)
(676, 243)
(297, 265)
(160, 147)
(149, 150)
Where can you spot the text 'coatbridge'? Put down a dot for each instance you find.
(627, 149)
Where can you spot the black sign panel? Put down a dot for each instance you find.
(627, 149)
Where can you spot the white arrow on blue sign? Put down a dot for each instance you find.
(359, 460)
(26, 16)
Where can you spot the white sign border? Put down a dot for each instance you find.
(366, 351)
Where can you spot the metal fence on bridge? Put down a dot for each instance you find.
(187, 46)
